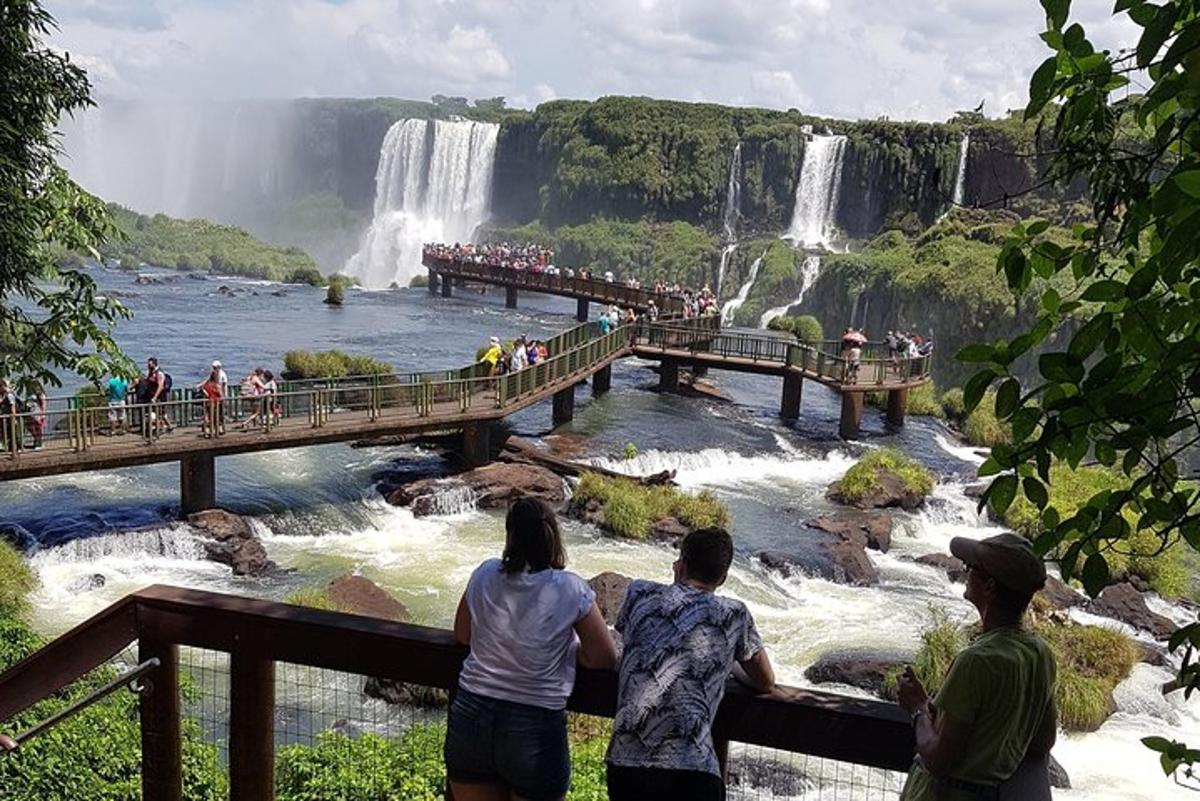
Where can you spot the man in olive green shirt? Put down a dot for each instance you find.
(994, 721)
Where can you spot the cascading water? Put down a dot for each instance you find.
(433, 184)
(960, 179)
(814, 217)
(729, 219)
(730, 309)
(808, 277)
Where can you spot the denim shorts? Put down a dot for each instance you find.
(489, 741)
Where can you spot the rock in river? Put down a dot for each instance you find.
(866, 670)
(867, 529)
(228, 539)
(493, 486)
(1124, 603)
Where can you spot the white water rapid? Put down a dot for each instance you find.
(730, 308)
(434, 184)
(808, 276)
(814, 216)
(960, 178)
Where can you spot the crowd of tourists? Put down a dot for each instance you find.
(20, 417)
(528, 622)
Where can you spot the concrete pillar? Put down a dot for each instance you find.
(581, 310)
(602, 380)
(433, 282)
(699, 370)
(789, 404)
(852, 407)
(510, 297)
(564, 405)
(477, 444)
(447, 287)
(897, 405)
(460, 282)
(668, 375)
(197, 483)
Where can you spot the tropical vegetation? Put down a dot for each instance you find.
(630, 509)
(863, 477)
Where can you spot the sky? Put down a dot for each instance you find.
(904, 59)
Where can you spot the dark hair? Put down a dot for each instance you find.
(707, 554)
(534, 541)
(152, 360)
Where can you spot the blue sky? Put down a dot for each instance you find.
(849, 58)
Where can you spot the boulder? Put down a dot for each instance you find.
(1061, 596)
(87, 583)
(221, 525)
(610, 589)
(494, 486)
(866, 670)
(399, 693)
(228, 538)
(670, 530)
(828, 557)
(889, 492)
(866, 529)
(1123, 602)
(953, 566)
(1059, 779)
(1152, 654)
(359, 595)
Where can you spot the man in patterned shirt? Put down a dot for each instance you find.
(681, 643)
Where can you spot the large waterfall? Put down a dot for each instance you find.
(730, 309)
(434, 184)
(808, 277)
(729, 219)
(960, 179)
(815, 213)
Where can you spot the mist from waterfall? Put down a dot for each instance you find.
(730, 309)
(808, 276)
(434, 184)
(814, 217)
(729, 219)
(960, 179)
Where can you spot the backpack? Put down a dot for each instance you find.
(167, 383)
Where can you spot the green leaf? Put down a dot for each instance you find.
(1051, 300)
(1041, 87)
(1001, 493)
(1060, 367)
(1095, 574)
(1035, 492)
(1105, 290)
(1088, 338)
(977, 354)
(976, 386)
(1156, 33)
(1056, 12)
(1160, 744)
(1189, 182)
(1007, 398)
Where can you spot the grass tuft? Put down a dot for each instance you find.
(863, 478)
(630, 509)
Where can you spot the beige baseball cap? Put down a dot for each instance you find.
(1008, 558)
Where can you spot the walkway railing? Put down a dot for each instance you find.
(586, 288)
(266, 675)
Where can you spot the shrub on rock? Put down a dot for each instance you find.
(884, 478)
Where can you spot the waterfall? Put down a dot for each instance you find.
(729, 218)
(455, 500)
(808, 277)
(433, 184)
(726, 254)
(730, 308)
(815, 214)
(960, 179)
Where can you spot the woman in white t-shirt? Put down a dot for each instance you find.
(527, 621)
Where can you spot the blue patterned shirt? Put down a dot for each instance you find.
(680, 646)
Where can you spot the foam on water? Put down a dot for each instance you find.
(714, 467)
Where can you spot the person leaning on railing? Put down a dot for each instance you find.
(527, 621)
(987, 734)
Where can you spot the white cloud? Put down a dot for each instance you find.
(856, 58)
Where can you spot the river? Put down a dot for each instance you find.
(320, 516)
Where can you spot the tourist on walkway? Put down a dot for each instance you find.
(270, 402)
(527, 621)
(115, 392)
(492, 355)
(681, 642)
(157, 389)
(252, 391)
(8, 417)
(605, 323)
(35, 421)
(989, 730)
(214, 394)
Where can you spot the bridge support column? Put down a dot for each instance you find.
(852, 408)
(897, 405)
(477, 444)
(668, 375)
(447, 287)
(197, 483)
(564, 405)
(510, 297)
(602, 380)
(460, 282)
(699, 370)
(433, 282)
(789, 404)
(581, 310)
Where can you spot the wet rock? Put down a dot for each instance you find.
(889, 492)
(776, 778)
(866, 670)
(228, 539)
(1061, 596)
(398, 693)
(669, 530)
(953, 566)
(1123, 602)
(825, 556)
(493, 485)
(866, 529)
(975, 490)
(1059, 779)
(359, 595)
(146, 280)
(346, 728)
(610, 589)
(88, 583)
(1152, 654)
(17, 536)
(221, 525)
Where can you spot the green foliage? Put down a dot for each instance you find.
(420, 281)
(302, 364)
(56, 314)
(364, 768)
(335, 294)
(630, 509)
(863, 477)
(313, 598)
(805, 327)
(952, 403)
(941, 640)
(984, 428)
(923, 401)
(777, 279)
(630, 451)
(16, 581)
(207, 247)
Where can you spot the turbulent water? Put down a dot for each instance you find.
(319, 514)
(730, 308)
(814, 218)
(808, 276)
(434, 184)
(960, 177)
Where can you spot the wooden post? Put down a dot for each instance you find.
(852, 407)
(581, 310)
(510, 297)
(564, 405)
(197, 483)
(476, 444)
(789, 404)
(897, 405)
(602, 380)
(251, 728)
(158, 707)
